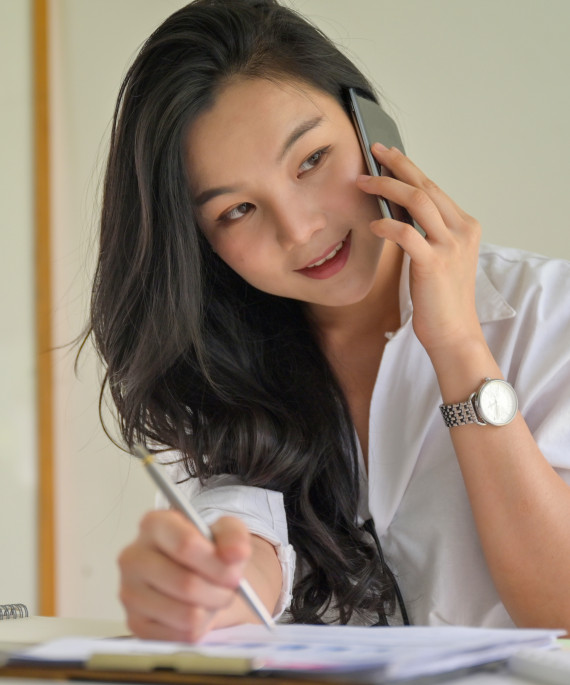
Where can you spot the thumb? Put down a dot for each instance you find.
(232, 540)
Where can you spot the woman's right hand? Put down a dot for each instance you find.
(176, 584)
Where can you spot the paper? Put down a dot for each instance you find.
(393, 653)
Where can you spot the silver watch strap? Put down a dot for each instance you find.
(460, 414)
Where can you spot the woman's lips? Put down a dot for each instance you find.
(330, 263)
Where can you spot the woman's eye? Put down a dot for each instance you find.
(313, 161)
(237, 212)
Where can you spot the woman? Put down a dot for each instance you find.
(257, 316)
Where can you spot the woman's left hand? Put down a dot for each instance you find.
(443, 264)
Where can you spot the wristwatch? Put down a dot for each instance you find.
(494, 403)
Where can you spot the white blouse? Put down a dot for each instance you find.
(414, 490)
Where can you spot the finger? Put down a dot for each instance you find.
(404, 169)
(233, 540)
(416, 201)
(405, 236)
(174, 536)
(150, 629)
(143, 568)
(147, 600)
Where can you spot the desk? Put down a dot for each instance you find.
(22, 675)
(26, 676)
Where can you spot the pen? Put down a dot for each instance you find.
(185, 507)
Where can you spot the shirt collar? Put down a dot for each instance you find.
(491, 305)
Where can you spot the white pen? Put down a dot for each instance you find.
(185, 507)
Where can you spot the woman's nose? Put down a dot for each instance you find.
(297, 219)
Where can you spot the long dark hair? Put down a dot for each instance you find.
(198, 360)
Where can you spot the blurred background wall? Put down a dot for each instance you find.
(18, 485)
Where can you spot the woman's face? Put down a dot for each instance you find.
(272, 169)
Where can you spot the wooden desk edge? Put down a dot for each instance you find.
(162, 676)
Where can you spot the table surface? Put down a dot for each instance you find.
(26, 676)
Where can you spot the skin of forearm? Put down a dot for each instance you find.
(263, 571)
(520, 505)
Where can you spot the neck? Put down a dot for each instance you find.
(375, 315)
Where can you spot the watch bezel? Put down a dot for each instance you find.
(480, 411)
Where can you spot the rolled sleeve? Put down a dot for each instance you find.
(262, 511)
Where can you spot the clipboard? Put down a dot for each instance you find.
(180, 662)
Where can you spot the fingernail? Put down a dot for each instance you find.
(378, 147)
(363, 178)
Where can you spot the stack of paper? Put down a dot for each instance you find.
(388, 653)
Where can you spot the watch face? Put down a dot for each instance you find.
(497, 402)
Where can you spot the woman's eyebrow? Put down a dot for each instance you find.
(292, 138)
(297, 132)
(211, 193)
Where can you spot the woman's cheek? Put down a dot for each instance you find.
(331, 190)
(243, 254)
(348, 170)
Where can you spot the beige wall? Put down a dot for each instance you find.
(17, 409)
(100, 492)
(480, 92)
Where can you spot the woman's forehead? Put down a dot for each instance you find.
(255, 106)
(253, 117)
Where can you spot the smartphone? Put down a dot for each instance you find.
(374, 125)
